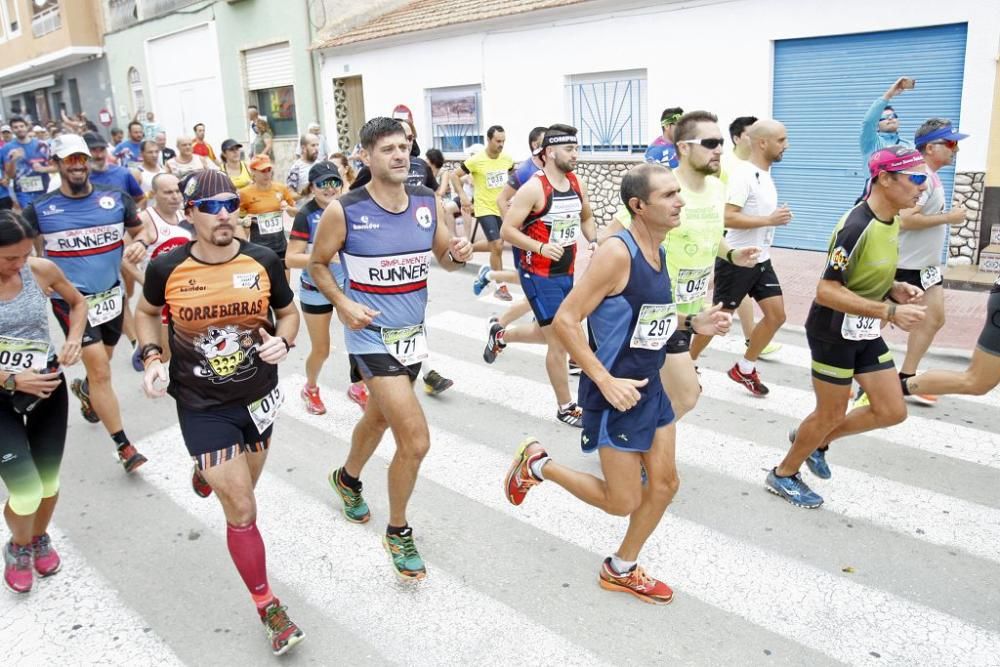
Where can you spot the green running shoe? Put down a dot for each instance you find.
(407, 562)
(355, 507)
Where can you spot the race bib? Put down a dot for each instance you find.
(264, 411)
(137, 166)
(270, 223)
(104, 306)
(496, 179)
(692, 284)
(20, 354)
(564, 231)
(930, 277)
(656, 324)
(30, 184)
(859, 327)
(408, 345)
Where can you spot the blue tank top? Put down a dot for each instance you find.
(386, 259)
(618, 339)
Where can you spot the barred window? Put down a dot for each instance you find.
(609, 110)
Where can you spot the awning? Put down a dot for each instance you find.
(28, 86)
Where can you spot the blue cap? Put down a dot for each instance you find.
(946, 133)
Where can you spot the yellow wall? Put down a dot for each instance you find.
(81, 26)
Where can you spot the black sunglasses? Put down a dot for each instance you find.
(710, 144)
(213, 206)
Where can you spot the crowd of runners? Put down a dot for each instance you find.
(191, 260)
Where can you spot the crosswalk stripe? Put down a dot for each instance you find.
(76, 617)
(935, 437)
(363, 585)
(724, 572)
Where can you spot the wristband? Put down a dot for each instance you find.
(689, 320)
(729, 256)
(540, 248)
(144, 244)
(288, 346)
(892, 312)
(452, 258)
(146, 349)
(146, 361)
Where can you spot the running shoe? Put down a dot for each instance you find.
(818, 465)
(199, 484)
(17, 576)
(130, 458)
(636, 582)
(406, 561)
(355, 507)
(520, 479)
(47, 561)
(358, 393)
(861, 400)
(494, 344)
(281, 632)
(769, 349)
(573, 368)
(137, 359)
(314, 404)
(435, 383)
(503, 293)
(481, 280)
(750, 380)
(573, 415)
(927, 400)
(86, 409)
(793, 489)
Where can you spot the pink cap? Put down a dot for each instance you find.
(894, 158)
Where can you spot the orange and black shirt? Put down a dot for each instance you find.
(214, 313)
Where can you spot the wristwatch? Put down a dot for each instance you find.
(10, 385)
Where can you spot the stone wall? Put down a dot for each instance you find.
(604, 180)
(964, 241)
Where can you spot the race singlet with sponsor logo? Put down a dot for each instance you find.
(860, 327)
(84, 241)
(20, 354)
(655, 325)
(104, 306)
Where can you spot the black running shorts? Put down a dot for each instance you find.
(734, 283)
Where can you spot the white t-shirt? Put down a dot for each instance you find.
(752, 189)
(920, 248)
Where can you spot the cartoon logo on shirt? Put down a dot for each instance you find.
(228, 355)
(106, 202)
(424, 217)
(839, 259)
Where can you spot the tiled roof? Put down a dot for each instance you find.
(430, 14)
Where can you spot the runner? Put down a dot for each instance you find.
(262, 205)
(923, 235)
(129, 152)
(298, 173)
(490, 170)
(844, 324)
(233, 164)
(227, 341)
(83, 229)
(385, 234)
(323, 185)
(110, 175)
(186, 161)
(752, 213)
(544, 220)
(26, 166)
(625, 296)
(150, 166)
(33, 403)
(662, 149)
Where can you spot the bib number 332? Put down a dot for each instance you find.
(859, 327)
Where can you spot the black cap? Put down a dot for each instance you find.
(231, 143)
(205, 184)
(323, 170)
(94, 140)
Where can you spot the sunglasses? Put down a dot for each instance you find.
(889, 116)
(950, 143)
(75, 160)
(710, 144)
(328, 182)
(213, 206)
(915, 177)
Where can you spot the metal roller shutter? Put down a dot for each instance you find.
(269, 67)
(822, 88)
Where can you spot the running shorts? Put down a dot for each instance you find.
(220, 434)
(108, 333)
(629, 431)
(490, 224)
(838, 363)
(679, 342)
(989, 339)
(545, 295)
(912, 277)
(365, 366)
(734, 283)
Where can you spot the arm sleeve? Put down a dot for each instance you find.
(300, 226)
(465, 167)
(155, 285)
(281, 293)
(131, 215)
(868, 140)
(843, 250)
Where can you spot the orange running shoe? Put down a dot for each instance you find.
(636, 582)
(519, 478)
(314, 404)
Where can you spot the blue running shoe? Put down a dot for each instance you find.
(817, 464)
(793, 489)
(481, 280)
(137, 364)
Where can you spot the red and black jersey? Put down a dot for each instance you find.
(558, 222)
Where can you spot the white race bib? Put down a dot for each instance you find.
(496, 179)
(929, 277)
(29, 184)
(20, 354)
(692, 284)
(656, 324)
(859, 327)
(263, 412)
(565, 230)
(104, 306)
(270, 223)
(408, 344)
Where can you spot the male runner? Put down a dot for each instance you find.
(752, 214)
(844, 324)
(490, 169)
(544, 220)
(83, 230)
(923, 236)
(104, 173)
(385, 234)
(200, 146)
(26, 167)
(662, 149)
(226, 338)
(625, 296)
(298, 173)
(129, 152)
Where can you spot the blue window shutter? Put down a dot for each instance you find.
(822, 88)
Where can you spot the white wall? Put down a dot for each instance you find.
(716, 56)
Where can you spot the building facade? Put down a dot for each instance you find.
(609, 68)
(52, 59)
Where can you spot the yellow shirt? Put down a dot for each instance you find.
(489, 175)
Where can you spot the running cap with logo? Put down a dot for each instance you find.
(893, 158)
(231, 143)
(94, 140)
(322, 171)
(261, 163)
(206, 184)
(69, 144)
(945, 133)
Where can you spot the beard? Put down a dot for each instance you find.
(565, 166)
(76, 188)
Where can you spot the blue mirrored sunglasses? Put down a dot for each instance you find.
(916, 177)
(327, 182)
(213, 206)
(889, 116)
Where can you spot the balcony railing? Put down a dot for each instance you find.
(46, 21)
(122, 13)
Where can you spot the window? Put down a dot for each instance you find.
(74, 96)
(45, 17)
(456, 120)
(278, 104)
(10, 20)
(609, 110)
(135, 85)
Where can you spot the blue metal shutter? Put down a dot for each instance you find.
(822, 88)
